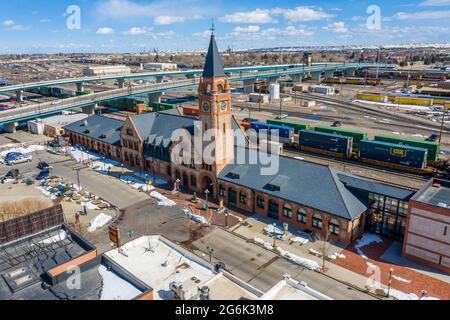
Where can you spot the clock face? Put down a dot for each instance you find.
(205, 106)
(223, 106)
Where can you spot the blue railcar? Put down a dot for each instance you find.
(285, 134)
(328, 142)
(397, 154)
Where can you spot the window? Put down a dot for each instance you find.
(243, 197)
(219, 88)
(287, 211)
(301, 216)
(222, 191)
(317, 221)
(260, 202)
(333, 227)
(129, 132)
(193, 181)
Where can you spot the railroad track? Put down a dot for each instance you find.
(349, 164)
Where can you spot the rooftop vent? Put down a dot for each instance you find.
(102, 136)
(233, 176)
(86, 131)
(272, 187)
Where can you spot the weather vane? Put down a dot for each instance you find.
(212, 26)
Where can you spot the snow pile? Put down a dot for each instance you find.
(56, 238)
(116, 288)
(366, 239)
(336, 255)
(266, 244)
(162, 200)
(194, 217)
(98, 222)
(398, 278)
(155, 180)
(81, 155)
(103, 165)
(136, 183)
(271, 229)
(399, 295)
(304, 262)
(300, 240)
(21, 149)
(89, 205)
(46, 192)
(418, 135)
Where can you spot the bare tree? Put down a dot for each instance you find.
(323, 246)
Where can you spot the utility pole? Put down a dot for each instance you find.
(442, 125)
(78, 179)
(259, 98)
(280, 105)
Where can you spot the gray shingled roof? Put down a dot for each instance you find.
(213, 65)
(98, 127)
(312, 185)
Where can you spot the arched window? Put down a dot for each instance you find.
(193, 181)
(287, 211)
(317, 221)
(243, 197)
(333, 226)
(260, 202)
(219, 88)
(301, 216)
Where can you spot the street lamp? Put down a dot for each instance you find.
(390, 280)
(78, 179)
(226, 217)
(121, 165)
(210, 251)
(206, 194)
(274, 236)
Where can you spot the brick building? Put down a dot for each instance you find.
(427, 238)
(314, 197)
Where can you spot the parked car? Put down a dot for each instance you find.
(282, 116)
(43, 174)
(43, 165)
(433, 137)
(250, 120)
(337, 124)
(18, 158)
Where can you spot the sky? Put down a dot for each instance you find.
(38, 26)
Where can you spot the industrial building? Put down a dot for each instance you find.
(115, 70)
(160, 66)
(53, 126)
(427, 238)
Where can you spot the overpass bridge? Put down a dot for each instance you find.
(11, 118)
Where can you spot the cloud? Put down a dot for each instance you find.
(338, 27)
(254, 33)
(137, 31)
(8, 23)
(19, 27)
(434, 3)
(203, 35)
(248, 29)
(255, 16)
(45, 20)
(105, 31)
(302, 14)
(422, 15)
(166, 20)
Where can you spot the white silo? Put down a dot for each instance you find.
(274, 91)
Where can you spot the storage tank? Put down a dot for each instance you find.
(274, 91)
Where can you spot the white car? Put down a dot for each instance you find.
(282, 116)
(55, 102)
(19, 159)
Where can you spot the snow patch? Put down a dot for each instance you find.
(21, 149)
(399, 295)
(194, 217)
(304, 262)
(98, 222)
(365, 240)
(56, 238)
(116, 288)
(398, 278)
(162, 200)
(266, 244)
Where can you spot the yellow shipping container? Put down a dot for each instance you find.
(447, 106)
(391, 98)
(441, 101)
(413, 101)
(371, 97)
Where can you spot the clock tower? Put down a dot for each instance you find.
(214, 96)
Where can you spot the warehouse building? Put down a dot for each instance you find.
(427, 238)
(53, 126)
(106, 71)
(160, 66)
(314, 197)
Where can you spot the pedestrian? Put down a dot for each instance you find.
(109, 170)
(85, 211)
(77, 218)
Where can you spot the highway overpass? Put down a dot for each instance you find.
(10, 118)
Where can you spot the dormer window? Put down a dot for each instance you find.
(86, 131)
(232, 175)
(272, 187)
(129, 132)
(102, 136)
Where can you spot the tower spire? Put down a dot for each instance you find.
(213, 65)
(213, 29)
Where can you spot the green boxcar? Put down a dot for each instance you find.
(161, 106)
(297, 126)
(356, 135)
(432, 147)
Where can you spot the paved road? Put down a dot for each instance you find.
(104, 186)
(263, 269)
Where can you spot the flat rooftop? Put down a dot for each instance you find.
(436, 192)
(24, 266)
(158, 262)
(290, 289)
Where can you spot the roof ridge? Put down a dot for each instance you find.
(334, 173)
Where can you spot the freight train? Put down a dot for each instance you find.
(409, 155)
(354, 81)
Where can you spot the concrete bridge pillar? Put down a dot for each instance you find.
(80, 86)
(297, 78)
(90, 110)
(159, 79)
(249, 86)
(11, 127)
(329, 74)
(350, 72)
(273, 79)
(121, 83)
(19, 95)
(316, 76)
(154, 97)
